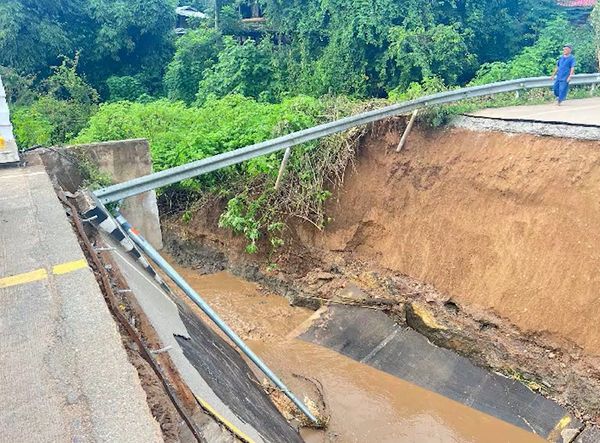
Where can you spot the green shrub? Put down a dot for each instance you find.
(125, 88)
(31, 128)
(179, 134)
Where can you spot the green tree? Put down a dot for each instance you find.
(195, 52)
(367, 47)
(245, 69)
(129, 37)
(114, 37)
(34, 32)
(539, 59)
(441, 51)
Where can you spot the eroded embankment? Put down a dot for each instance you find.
(503, 229)
(508, 223)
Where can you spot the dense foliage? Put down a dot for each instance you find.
(94, 70)
(540, 58)
(114, 37)
(60, 109)
(180, 134)
(369, 47)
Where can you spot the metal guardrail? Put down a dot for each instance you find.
(199, 301)
(173, 175)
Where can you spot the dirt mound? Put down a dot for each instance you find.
(508, 223)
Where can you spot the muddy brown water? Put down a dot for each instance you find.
(364, 404)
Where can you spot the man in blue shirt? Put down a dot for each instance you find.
(565, 68)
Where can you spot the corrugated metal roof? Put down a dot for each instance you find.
(188, 11)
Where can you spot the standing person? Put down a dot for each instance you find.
(565, 68)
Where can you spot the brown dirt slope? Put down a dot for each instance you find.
(503, 222)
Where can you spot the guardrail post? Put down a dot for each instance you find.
(593, 89)
(411, 122)
(284, 162)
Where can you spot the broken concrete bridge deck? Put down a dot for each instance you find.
(64, 376)
(214, 371)
(372, 337)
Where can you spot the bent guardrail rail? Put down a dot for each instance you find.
(173, 175)
(132, 242)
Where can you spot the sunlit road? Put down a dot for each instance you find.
(583, 111)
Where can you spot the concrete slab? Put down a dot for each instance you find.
(213, 370)
(589, 435)
(64, 375)
(576, 112)
(371, 337)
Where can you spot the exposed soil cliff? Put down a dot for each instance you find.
(502, 222)
(497, 235)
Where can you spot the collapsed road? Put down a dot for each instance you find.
(217, 375)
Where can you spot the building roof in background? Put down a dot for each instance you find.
(577, 3)
(188, 11)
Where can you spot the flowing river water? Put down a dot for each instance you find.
(364, 404)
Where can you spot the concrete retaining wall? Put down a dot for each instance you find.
(123, 160)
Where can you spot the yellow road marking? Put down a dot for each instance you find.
(42, 274)
(556, 432)
(19, 279)
(224, 421)
(65, 268)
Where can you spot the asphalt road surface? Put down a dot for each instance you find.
(64, 375)
(577, 112)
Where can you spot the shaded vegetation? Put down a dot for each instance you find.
(96, 70)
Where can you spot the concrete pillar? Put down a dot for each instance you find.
(123, 160)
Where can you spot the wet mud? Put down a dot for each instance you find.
(491, 234)
(362, 403)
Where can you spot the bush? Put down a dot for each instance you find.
(179, 134)
(125, 88)
(31, 128)
(429, 85)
